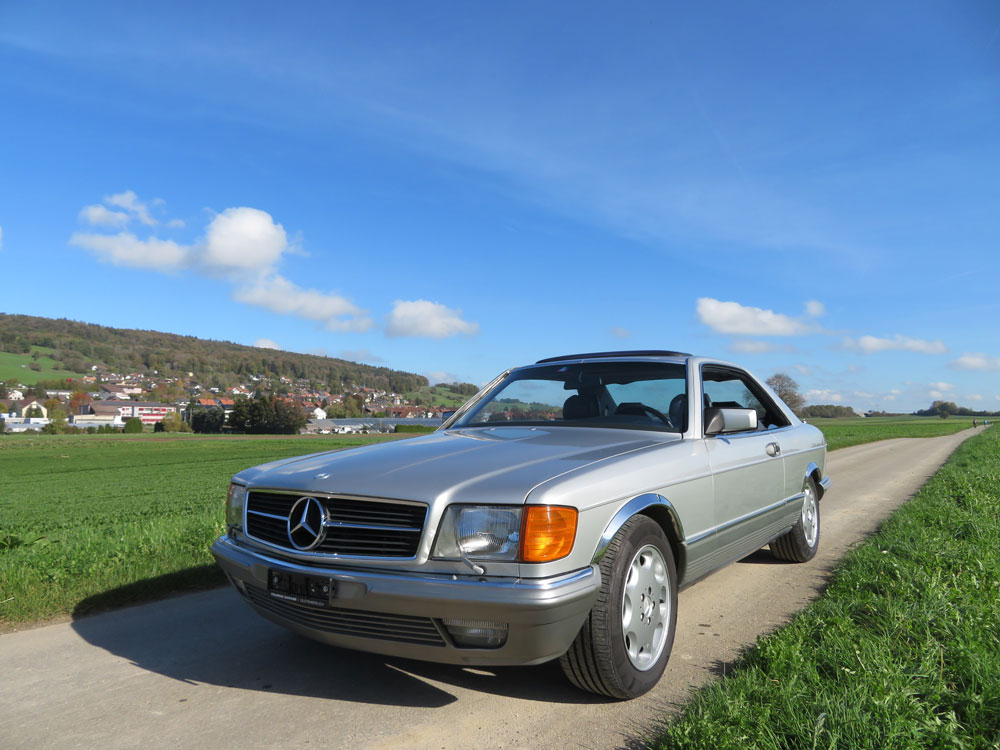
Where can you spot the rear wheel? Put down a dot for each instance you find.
(799, 544)
(623, 646)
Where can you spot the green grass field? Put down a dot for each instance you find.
(902, 651)
(97, 521)
(94, 521)
(843, 432)
(18, 367)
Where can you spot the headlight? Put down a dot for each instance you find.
(494, 532)
(479, 532)
(234, 505)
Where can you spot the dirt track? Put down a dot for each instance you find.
(203, 671)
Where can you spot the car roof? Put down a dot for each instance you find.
(615, 355)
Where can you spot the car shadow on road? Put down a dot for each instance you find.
(213, 637)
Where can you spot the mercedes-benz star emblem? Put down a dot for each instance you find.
(306, 523)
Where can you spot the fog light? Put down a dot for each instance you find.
(477, 633)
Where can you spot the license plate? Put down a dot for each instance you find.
(315, 591)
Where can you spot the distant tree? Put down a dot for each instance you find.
(172, 422)
(133, 425)
(33, 412)
(78, 400)
(205, 420)
(787, 390)
(267, 414)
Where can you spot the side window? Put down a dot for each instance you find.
(732, 389)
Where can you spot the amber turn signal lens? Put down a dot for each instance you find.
(549, 531)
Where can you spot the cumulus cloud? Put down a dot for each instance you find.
(748, 346)
(815, 308)
(129, 201)
(441, 376)
(942, 386)
(242, 239)
(266, 344)
(824, 396)
(976, 362)
(425, 319)
(175, 224)
(277, 294)
(125, 249)
(102, 216)
(734, 318)
(621, 333)
(974, 397)
(898, 343)
(802, 369)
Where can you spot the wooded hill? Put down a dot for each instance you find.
(78, 346)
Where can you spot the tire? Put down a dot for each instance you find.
(625, 642)
(799, 544)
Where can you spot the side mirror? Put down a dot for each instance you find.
(719, 421)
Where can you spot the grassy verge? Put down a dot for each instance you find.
(903, 649)
(841, 433)
(95, 521)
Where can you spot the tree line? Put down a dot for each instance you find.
(76, 346)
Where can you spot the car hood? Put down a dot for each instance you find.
(490, 464)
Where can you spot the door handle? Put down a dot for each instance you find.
(773, 449)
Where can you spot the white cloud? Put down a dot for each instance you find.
(175, 224)
(864, 394)
(102, 216)
(427, 319)
(266, 344)
(815, 309)
(824, 396)
(131, 203)
(935, 394)
(243, 239)
(125, 249)
(279, 295)
(621, 333)
(976, 362)
(974, 397)
(441, 376)
(732, 317)
(874, 344)
(942, 386)
(747, 346)
(802, 369)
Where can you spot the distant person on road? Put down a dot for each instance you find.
(975, 423)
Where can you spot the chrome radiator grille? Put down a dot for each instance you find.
(356, 622)
(358, 528)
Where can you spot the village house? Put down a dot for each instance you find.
(150, 412)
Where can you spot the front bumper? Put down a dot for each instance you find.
(401, 614)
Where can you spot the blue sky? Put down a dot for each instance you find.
(452, 189)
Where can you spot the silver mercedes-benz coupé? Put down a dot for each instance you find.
(554, 516)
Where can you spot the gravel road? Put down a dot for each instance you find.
(202, 670)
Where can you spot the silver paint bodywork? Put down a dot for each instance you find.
(718, 498)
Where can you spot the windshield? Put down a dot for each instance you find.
(639, 395)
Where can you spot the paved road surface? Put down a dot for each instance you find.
(203, 670)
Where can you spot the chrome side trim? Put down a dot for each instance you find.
(631, 508)
(747, 517)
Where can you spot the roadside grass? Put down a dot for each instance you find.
(18, 367)
(106, 520)
(903, 649)
(844, 432)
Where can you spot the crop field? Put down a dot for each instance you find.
(89, 522)
(902, 649)
(92, 521)
(843, 432)
(18, 366)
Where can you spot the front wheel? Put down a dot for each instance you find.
(623, 646)
(799, 544)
